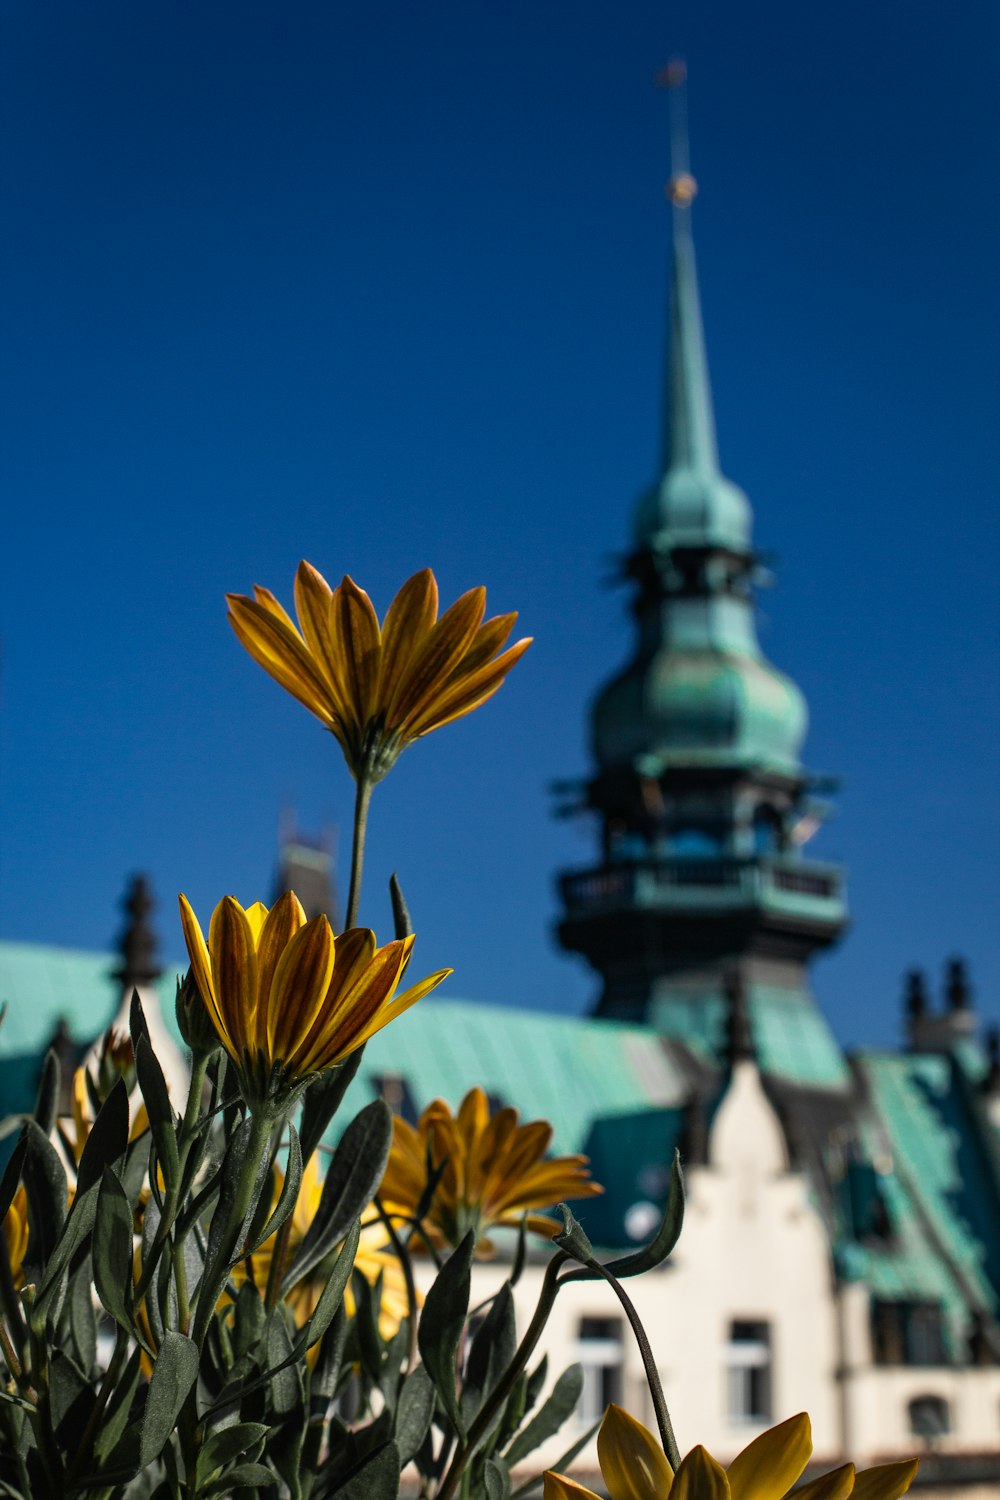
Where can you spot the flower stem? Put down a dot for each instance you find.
(663, 1422)
(214, 1277)
(362, 800)
(403, 1256)
(482, 1424)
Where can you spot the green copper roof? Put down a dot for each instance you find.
(936, 1153)
(792, 1039)
(693, 504)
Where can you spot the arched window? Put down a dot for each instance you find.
(930, 1417)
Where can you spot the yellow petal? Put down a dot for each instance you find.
(299, 987)
(885, 1481)
(836, 1485)
(256, 915)
(201, 968)
(406, 626)
(355, 644)
(280, 926)
(429, 671)
(281, 651)
(466, 693)
(314, 606)
(558, 1487)
(633, 1464)
(400, 1003)
(700, 1478)
(234, 969)
(769, 1466)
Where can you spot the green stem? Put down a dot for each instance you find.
(483, 1422)
(406, 1265)
(214, 1277)
(107, 1386)
(171, 1201)
(663, 1421)
(362, 801)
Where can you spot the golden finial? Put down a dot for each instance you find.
(682, 188)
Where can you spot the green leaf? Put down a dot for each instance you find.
(71, 1401)
(442, 1322)
(228, 1443)
(496, 1479)
(174, 1373)
(137, 1024)
(561, 1464)
(332, 1294)
(492, 1350)
(323, 1098)
(660, 1246)
(249, 1319)
(162, 1124)
(400, 910)
(377, 1478)
(111, 1250)
(536, 1381)
(118, 1412)
(108, 1138)
(46, 1188)
(11, 1178)
(243, 1477)
(414, 1413)
(288, 1196)
(551, 1415)
(351, 1181)
(76, 1229)
(82, 1314)
(47, 1101)
(284, 1370)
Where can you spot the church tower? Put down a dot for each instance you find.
(703, 883)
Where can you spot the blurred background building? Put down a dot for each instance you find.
(842, 1245)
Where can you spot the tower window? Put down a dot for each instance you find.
(748, 1372)
(600, 1350)
(908, 1333)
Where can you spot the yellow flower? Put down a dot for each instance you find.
(377, 687)
(15, 1232)
(286, 998)
(373, 1260)
(494, 1169)
(634, 1468)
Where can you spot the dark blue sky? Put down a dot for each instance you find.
(381, 285)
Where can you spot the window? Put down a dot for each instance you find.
(929, 1417)
(394, 1089)
(908, 1333)
(748, 1372)
(600, 1349)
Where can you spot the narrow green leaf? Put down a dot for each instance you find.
(332, 1294)
(242, 1477)
(46, 1188)
(111, 1250)
(492, 1350)
(137, 1024)
(496, 1479)
(107, 1141)
(351, 1181)
(561, 1402)
(442, 1322)
(414, 1413)
(227, 1443)
(118, 1412)
(153, 1087)
(71, 1401)
(666, 1237)
(47, 1100)
(284, 1369)
(10, 1181)
(377, 1478)
(288, 1196)
(400, 910)
(323, 1098)
(82, 1314)
(174, 1373)
(561, 1464)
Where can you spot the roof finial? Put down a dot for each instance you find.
(681, 188)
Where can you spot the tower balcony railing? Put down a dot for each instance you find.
(725, 881)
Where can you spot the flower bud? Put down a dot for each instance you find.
(193, 1021)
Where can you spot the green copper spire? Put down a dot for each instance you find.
(693, 505)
